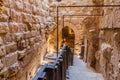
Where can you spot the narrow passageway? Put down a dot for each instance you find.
(79, 71)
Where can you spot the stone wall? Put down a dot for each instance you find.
(28, 27)
(92, 41)
(24, 25)
(103, 41)
(108, 55)
(74, 22)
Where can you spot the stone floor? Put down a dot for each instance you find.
(79, 71)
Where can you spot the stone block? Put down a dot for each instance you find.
(31, 1)
(36, 19)
(10, 72)
(24, 43)
(19, 37)
(13, 15)
(37, 39)
(116, 18)
(22, 27)
(33, 33)
(21, 45)
(4, 74)
(29, 49)
(2, 51)
(26, 60)
(3, 28)
(12, 47)
(31, 41)
(8, 38)
(27, 18)
(4, 18)
(1, 65)
(7, 3)
(13, 27)
(27, 35)
(27, 7)
(45, 6)
(18, 17)
(34, 9)
(18, 6)
(21, 54)
(1, 41)
(27, 42)
(9, 59)
(34, 28)
(13, 70)
(6, 11)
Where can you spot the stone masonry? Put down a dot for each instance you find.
(28, 32)
(23, 25)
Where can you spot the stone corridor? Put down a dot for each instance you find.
(32, 29)
(80, 71)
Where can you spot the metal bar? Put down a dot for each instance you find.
(116, 28)
(83, 15)
(93, 6)
(63, 20)
(57, 29)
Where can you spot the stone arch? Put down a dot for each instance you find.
(70, 25)
(68, 36)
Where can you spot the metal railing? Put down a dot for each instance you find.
(57, 71)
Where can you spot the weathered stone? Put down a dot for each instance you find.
(22, 27)
(27, 7)
(33, 33)
(1, 41)
(27, 18)
(3, 28)
(21, 54)
(4, 18)
(37, 38)
(13, 70)
(1, 65)
(19, 30)
(6, 11)
(10, 59)
(8, 38)
(27, 35)
(26, 60)
(19, 37)
(13, 27)
(18, 6)
(4, 73)
(12, 47)
(21, 45)
(28, 23)
(13, 15)
(2, 51)
(32, 42)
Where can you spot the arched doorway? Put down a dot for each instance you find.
(68, 37)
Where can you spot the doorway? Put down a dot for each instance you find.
(68, 37)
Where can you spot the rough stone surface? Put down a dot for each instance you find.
(21, 37)
(28, 32)
(100, 34)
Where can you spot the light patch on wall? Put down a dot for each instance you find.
(115, 34)
(91, 30)
(105, 46)
(119, 65)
